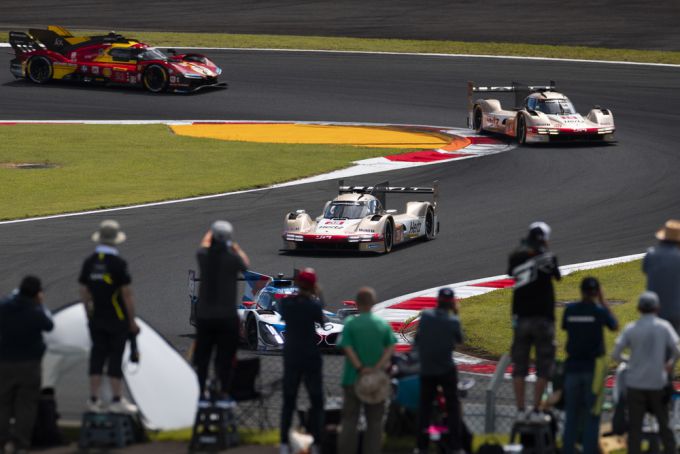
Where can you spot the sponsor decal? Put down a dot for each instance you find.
(107, 72)
(83, 68)
(73, 55)
(415, 227)
(323, 237)
(59, 42)
(373, 246)
(95, 70)
(173, 79)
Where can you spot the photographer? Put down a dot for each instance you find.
(220, 261)
(585, 366)
(438, 334)
(22, 321)
(106, 292)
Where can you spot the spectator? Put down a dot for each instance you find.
(106, 293)
(438, 333)
(220, 260)
(533, 312)
(650, 339)
(368, 343)
(585, 366)
(662, 267)
(22, 321)
(301, 357)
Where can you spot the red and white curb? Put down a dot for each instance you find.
(479, 146)
(403, 312)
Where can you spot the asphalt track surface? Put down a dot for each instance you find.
(608, 23)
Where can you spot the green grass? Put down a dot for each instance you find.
(486, 318)
(101, 166)
(168, 39)
(248, 436)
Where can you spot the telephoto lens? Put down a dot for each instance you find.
(134, 352)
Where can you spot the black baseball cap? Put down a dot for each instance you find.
(590, 284)
(445, 294)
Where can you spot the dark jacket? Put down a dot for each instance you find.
(533, 269)
(22, 323)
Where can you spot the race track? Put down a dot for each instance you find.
(628, 24)
(601, 201)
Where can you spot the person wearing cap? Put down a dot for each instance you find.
(302, 357)
(23, 319)
(653, 345)
(105, 290)
(439, 331)
(368, 343)
(585, 366)
(220, 261)
(533, 267)
(661, 264)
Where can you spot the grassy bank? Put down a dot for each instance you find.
(486, 318)
(101, 166)
(167, 39)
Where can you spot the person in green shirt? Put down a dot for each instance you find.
(368, 342)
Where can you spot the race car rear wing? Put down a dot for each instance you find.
(520, 90)
(23, 43)
(381, 189)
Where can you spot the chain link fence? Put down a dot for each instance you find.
(489, 406)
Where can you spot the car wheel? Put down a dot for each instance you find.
(252, 336)
(430, 228)
(388, 236)
(521, 130)
(39, 70)
(155, 79)
(477, 119)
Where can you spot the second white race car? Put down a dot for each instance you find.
(357, 220)
(540, 115)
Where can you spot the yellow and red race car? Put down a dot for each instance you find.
(55, 54)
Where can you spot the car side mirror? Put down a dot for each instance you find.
(390, 211)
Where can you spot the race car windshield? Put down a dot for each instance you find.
(346, 211)
(152, 54)
(556, 107)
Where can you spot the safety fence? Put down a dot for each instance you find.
(488, 406)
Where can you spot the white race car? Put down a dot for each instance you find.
(357, 220)
(541, 115)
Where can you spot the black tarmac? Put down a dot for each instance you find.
(608, 23)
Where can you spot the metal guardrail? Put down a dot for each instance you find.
(492, 391)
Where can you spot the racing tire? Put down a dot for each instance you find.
(477, 119)
(388, 237)
(39, 70)
(251, 334)
(155, 79)
(430, 227)
(521, 130)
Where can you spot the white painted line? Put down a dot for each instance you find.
(423, 54)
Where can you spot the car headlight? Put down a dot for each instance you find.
(218, 71)
(192, 76)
